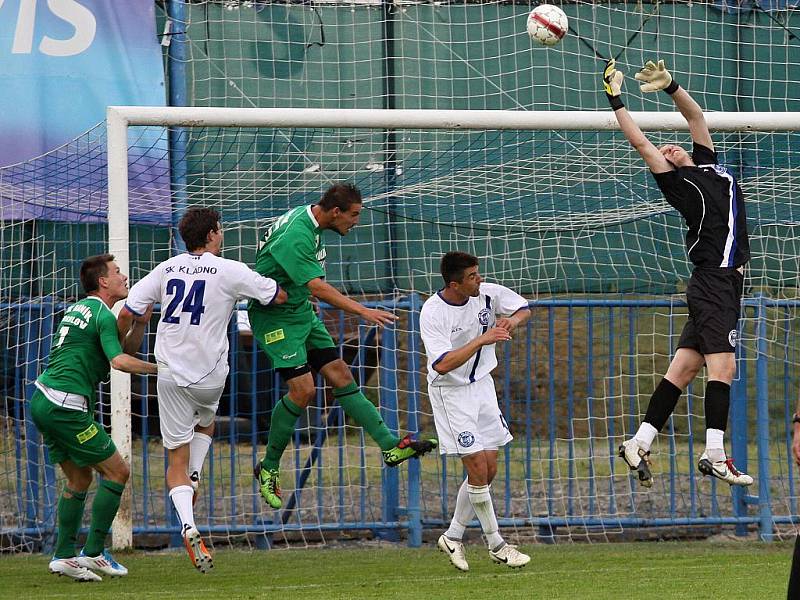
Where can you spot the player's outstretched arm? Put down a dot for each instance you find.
(130, 364)
(319, 288)
(656, 77)
(612, 83)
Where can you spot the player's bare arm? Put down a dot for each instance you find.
(515, 320)
(612, 83)
(456, 358)
(324, 291)
(130, 364)
(656, 77)
(131, 328)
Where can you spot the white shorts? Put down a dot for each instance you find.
(468, 418)
(180, 409)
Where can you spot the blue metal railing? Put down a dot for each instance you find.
(570, 346)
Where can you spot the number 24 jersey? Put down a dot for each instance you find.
(198, 294)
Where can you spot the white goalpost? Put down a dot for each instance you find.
(555, 203)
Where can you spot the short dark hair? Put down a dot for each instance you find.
(195, 226)
(340, 195)
(92, 269)
(454, 264)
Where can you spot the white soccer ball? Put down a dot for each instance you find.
(547, 24)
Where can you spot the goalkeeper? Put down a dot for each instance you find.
(296, 341)
(708, 198)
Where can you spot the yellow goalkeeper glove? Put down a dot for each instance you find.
(612, 83)
(655, 77)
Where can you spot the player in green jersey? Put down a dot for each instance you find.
(85, 345)
(296, 341)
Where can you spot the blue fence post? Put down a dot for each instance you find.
(762, 422)
(413, 508)
(738, 420)
(388, 387)
(177, 60)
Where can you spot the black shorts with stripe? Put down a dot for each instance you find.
(714, 296)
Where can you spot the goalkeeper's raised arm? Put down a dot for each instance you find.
(612, 83)
(656, 77)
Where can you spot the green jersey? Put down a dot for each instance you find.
(84, 344)
(291, 253)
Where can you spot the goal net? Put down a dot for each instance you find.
(556, 205)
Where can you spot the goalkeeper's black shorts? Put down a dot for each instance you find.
(714, 296)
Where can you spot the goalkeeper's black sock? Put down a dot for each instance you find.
(662, 403)
(794, 574)
(717, 404)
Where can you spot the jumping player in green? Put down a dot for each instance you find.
(85, 345)
(296, 340)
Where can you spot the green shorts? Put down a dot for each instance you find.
(287, 340)
(70, 434)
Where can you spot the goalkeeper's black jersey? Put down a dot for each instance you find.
(709, 199)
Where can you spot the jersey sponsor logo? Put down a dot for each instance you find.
(87, 434)
(456, 329)
(274, 336)
(733, 338)
(484, 316)
(466, 439)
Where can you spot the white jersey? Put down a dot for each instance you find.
(445, 327)
(197, 294)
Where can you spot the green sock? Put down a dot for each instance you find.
(281, 428)
(357, 406)
(104, 509)
(70, 515)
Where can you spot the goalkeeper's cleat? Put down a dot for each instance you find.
(72, 568)
(194, 481)
(724, 470)
(406, 448)
(510, 555)
(104, 563)
(198, 553)
(454, 550)
(269, 484)
(638, 460)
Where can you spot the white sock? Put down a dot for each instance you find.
(462, 515)
(481, 501)
(645, 436)
(715, 450)
(198, 448)
(181, 497)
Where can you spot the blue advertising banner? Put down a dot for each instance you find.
(62, 62)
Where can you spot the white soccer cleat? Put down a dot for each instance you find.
(454, 551)
(104, 563)
(724, 470)
(198, 553)
(72, 568)
(638, 460)
(511, 556)
(194, 481)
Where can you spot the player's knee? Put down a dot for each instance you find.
(80, 482)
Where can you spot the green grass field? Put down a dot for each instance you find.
(666, 570)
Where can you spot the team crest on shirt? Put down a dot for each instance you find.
(720, 170)
(484, 316)
(466, 439)
(733, 337)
